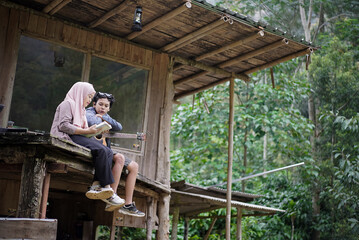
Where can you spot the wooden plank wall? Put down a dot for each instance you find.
(9, 45)
(41, 26)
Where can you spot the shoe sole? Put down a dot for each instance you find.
(99, 195)
(114, 207)
(130, 214)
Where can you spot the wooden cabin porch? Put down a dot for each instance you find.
(46, 177)
(184, 47)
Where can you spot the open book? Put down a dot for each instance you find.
(102, 126)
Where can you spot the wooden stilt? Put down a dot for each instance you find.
(113, 232)
(32, 179)
(150, 219)
(175, 223)
(239, 224)
(45, 195)
(186, 226)
(163, 216)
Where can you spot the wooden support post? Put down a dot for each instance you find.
(163, 215)
(175, 223)
(32, 179)
(239, 224)
(45, 195)
(186, 226)
(9, 47)
(150, 218)
(210, 229)
(230, 159)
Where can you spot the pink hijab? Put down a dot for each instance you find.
(76, 96)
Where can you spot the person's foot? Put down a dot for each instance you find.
(130, 209)
(98, 192)
(114, 202)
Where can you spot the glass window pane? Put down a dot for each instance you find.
(128, 85)
(44, 74)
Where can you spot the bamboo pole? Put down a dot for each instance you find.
(253, 53)
(261, 174)
(210, 229)
(160, 20)
(51, 6)
(172, 46)
(231, 45)
(109, 14)
(230, 159)
(284, 59)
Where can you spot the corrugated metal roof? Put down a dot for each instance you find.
(187, 199)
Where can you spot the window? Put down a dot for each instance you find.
(128, 85)
(46, 71)
(44, 74)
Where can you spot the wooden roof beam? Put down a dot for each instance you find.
(206, 69)
(280, 60)
(51, 6)
(55, 6)
(254, 53)
(160, 20)
(191, 37)
(197, 90)
(109, 14)
(231, 45)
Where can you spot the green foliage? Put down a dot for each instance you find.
(126, 233)
(280, 115)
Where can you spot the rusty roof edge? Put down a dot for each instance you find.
(235, 203)
(250, 22)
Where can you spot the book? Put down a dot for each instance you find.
(104, 126)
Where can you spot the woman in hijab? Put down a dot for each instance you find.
(70, 123)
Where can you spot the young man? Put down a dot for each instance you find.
(102, 102)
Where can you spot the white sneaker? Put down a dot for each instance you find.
(114, 202)
(98, 192)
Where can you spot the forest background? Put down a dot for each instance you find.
(310, 116)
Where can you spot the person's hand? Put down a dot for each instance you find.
(98, 115)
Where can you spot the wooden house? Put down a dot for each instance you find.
(184, 47)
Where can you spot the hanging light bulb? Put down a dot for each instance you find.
(137, 20)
